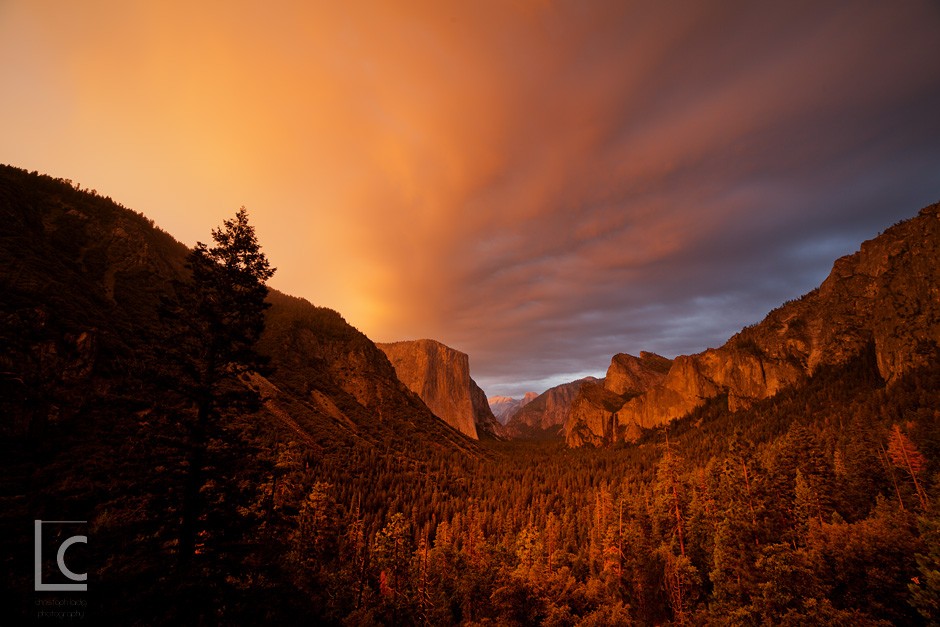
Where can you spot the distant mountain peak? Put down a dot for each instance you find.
(503, 407)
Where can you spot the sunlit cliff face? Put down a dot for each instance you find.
(539, 185)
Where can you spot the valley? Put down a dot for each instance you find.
(789, 476)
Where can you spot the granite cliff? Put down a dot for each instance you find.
(885, 297)
(326, 369)
(440, 376)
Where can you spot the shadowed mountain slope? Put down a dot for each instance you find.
(92, 426)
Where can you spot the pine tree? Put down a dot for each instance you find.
(553, 540)
(421, 566)
(354, 555)
(681, 578)
(925, 588)
(529, 553)
(739, 531)
(392, 553)
(904, 455)
(316, 533)
(798, 452)
(216, 318)
(808, 502)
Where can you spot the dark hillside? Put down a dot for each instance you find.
(92, 429)
(343, 500)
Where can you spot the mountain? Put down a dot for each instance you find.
(593, 418)
(546, 414)
(440, 376)
(343, 499)
(83, 278)
(94, 428)
(503, 407)
(883, 297)
(341, 374)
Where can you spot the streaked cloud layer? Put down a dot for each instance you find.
(538, 184)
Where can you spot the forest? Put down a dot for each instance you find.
(813, 507)
(817, 506)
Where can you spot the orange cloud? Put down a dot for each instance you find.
(531, 182)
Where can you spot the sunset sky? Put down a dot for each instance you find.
(537, 184)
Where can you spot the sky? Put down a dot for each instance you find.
(538, 184)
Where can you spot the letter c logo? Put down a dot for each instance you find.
(60, 558)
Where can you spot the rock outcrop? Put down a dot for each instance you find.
(633, 375)
(885, 297)
(546, 414)
(594, 416)
(440, 375)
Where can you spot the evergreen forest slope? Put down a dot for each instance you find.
(343, 500)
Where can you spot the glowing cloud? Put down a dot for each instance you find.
(538, 184)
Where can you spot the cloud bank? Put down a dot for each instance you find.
(538, 184)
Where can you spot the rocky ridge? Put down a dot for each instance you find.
(885, 297)
(594, 416)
